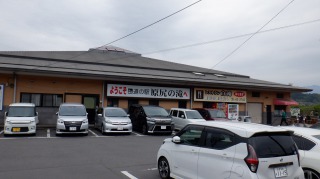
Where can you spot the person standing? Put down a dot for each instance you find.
(283, 117)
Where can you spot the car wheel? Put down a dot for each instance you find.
(102, 129)
(144, 129)
(310, 174)
(164, 168)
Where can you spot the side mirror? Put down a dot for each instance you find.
(6, 113)
(176, 140)
(100, 115)
(182, 116)
(57, 113)
(37, 114)
(128, 115)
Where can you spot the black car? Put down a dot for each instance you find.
(150, 119)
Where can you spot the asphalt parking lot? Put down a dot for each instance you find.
(74, 156)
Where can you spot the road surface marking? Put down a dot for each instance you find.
(93, 133)
(137, 134)
(128, 175)
(48, 133)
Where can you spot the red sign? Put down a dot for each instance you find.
(239, 94)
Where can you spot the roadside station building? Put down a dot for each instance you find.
(111, 76)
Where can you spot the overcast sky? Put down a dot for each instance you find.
(285, 55)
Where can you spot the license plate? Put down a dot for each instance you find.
(280, 172)
(163, 127)
(72, 128)
(120, 128)
(16, 129)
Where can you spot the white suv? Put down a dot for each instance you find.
(181, 117)
(72, 118)
(230, 150)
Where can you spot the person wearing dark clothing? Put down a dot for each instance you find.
(283, 117)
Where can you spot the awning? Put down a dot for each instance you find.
(285, 102)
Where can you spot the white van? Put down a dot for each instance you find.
(21, 118)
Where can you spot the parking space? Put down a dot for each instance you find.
(46, 132)
(74, 156)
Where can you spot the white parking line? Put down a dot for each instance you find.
(48, 133)
(137, 134)
(93, 133)
(128, 175)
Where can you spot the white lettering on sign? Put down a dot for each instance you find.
(147, 91)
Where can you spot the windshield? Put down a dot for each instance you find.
(217, 114)
(155, 111)
(269, 145)
(317, 136)
(193, 115)
(21, 111)
(72, 111)
(115, 112)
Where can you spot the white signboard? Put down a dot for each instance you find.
(220, 95)
(1, 96)
(120, 90)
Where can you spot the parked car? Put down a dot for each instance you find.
(316, 125)
(113, 120)
(245, 119)
(181, 117)
(229, 150)
(21, 118)
(150, 119)
(72, 118)
(212, 114)
(308, 142)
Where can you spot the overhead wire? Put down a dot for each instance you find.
(237, 48)
(145, 27)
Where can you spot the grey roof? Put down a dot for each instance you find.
(120, 65)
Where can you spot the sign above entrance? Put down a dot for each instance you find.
(220, 95)
(147, 91)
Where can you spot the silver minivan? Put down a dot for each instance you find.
(181, 117)
(113, 120)
(21, 118)
(72, 118)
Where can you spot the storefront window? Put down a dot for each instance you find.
(42, 100)
(182, 104)
(113, 102)
(154, 102)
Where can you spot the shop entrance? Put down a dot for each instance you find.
(91, 102)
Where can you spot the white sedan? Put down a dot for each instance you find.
(308, 142)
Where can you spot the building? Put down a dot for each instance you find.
(111, 76)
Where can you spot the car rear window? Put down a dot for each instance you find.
(269, 145)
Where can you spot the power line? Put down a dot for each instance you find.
(210, 42)
(236, 49)
(166, 17)
(229, 38)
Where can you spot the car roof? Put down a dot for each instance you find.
(302, 130)
(242, 129)
(23, 104)
(71, 104)
(182, 109)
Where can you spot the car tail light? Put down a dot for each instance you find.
(252, 160)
